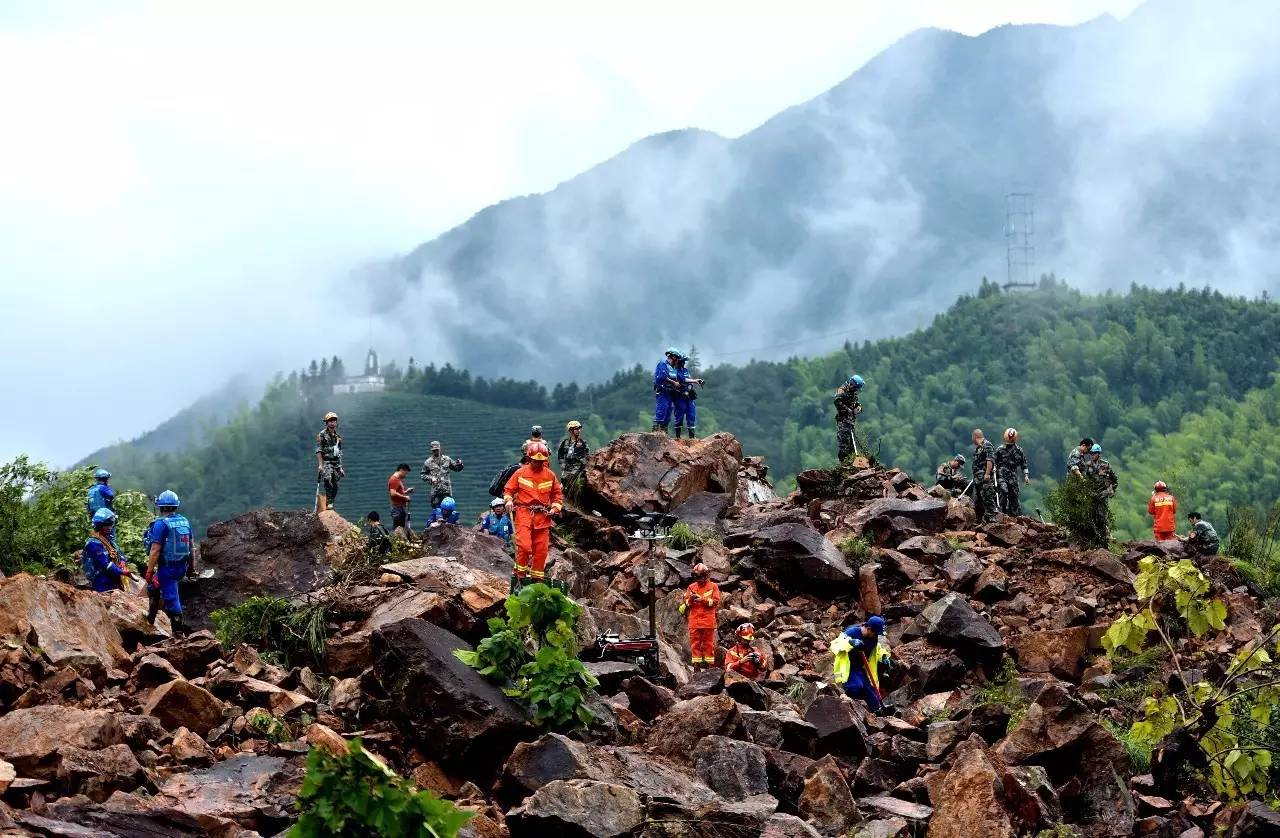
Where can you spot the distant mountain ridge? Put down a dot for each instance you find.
(870, 207)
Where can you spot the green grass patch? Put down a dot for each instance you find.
(275, 626)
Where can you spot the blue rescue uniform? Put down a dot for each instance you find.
(101, 567)
(173, 534)
(686, 407)
(666, 385)
(859, 684)
(497, 525)
(100, 496)
(439, 516)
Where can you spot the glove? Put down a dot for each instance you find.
(684, 606)
(555, 509)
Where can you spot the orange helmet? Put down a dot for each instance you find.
(1160, 486)
(699, 569)
(538, 451)
(746, 631)
(1010, 434)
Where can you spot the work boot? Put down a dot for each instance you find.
(692, 435)
(679, 431)
(656, 427)
(175, 621)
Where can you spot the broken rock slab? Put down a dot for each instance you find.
(578, 808)
(30, 737)
(655, 473)
(256, 792)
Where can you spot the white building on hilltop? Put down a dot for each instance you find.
(371, 382)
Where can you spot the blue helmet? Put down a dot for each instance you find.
(857, 381)
(876, 623)
(103, 516)
(102, 474)
(448, 504)
(168, 498)
(671, 350)
(1096, 449)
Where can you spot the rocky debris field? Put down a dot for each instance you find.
(1006, 711)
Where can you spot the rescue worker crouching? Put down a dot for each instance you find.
(701, 601)
(533, 496)
(950, 475)
(742, 658)
(862, 659)
(169, 553)
(446, 513)
(103, 563)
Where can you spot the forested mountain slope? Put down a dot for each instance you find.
(1127, 369)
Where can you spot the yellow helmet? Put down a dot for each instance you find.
(330, 415)
(573, 423)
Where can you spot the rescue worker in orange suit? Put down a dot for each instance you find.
(1163, 509)
(533, 496)
(701, 599)
(743, 659)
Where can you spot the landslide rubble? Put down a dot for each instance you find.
(1005, 708)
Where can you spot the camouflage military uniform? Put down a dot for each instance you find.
(572, 457)
(984, 491)
(329, 447)
(1204, 538)
(1102, 480)
(435, 470)
(847, 409)
(951, 479)
(1011, 465)
(1075, 460)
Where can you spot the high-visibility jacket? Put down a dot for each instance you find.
(1163, 508)
(701, 599)
(527, 488)
(846, 652)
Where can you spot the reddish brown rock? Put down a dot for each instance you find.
(72, 627)
(31, 737)
(654, 473)
(1059, 652)
(970, 801)
(183, 704)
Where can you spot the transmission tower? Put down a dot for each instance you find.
(1019, 237)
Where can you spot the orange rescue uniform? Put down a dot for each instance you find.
(737, 658)
(701, 599)
(1163, 508)
(528, 488)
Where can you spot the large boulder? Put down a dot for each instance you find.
(129, 613)
(350, 652)
(578, 809)
(970, 802)
(1059, 652)
(262, 552)
(841, 726)
(31, 737)
(183, 704)
(795, 556)
(654, 473)
(121, 816)
(684, 725)
(464, 546)
(734, 770)
(452, 712)
(256, 792)
(72, 627)
(96, 774)
(827, 800)
(474, 594)
(950, 621)
(888, 517)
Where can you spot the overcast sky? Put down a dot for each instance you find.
(181, 182)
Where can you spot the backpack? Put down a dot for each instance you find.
(177, 541)
(86, 563)
(95, 501)
(500, 482)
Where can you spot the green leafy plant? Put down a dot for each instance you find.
(685, 537)
(856, 549)
(355, 795)
(1229, 720)
(1004, 690)
(297, 633)
(1253, 543)
(1072, 504)
(533, 653)
(269, 727)
(1139, 750)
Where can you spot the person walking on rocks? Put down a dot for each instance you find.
(950, 475)
(1203, 538)
(571, 455)
(533, 497)
(666, 386)
(329, 471)
(685, 402)
(860, 661)
(169, 552)
(1163, 509)
(848, 407)
(1011, 472)
(437, 471)
(701, 601)
(1079, 457)
(984, 480)
(100, 495)
(103, 563)
(741, 657)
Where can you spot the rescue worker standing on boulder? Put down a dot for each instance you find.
(666, 385)
(329, 471)
(984, 485)
(100, 495)
(861, 660)
(1203, 538)
(741, 657)
(701, 601)
(532, 496)
(103, 563)
(686, 405)
(436, 470)
(571, 455)
(847, 409)
(1163, 509)
(950, 475)
(1011, 472)
(169, 547)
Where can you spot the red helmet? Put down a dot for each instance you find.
(699, 569)
(1160, 486)
(538, 451)
(746, 631)
(1011, 434)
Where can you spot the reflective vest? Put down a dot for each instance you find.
(177, 540)
(841, 648)
(99, 498)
